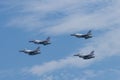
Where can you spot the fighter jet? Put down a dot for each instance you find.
(31, 52)
(86, 36)
(88, 56)
(44, 42)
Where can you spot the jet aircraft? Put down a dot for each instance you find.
(88, 56)
(44, 42)
(31, 52)
(86, 36)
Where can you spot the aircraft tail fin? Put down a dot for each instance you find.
(92, 52)
(48, 39)
(38, 49)
(89, 32)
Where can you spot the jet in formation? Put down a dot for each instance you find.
(44, 42)
(88, 56)
(31, 52)
(86, 36)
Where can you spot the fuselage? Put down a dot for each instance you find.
(86, 36)
(31, 52)
(45, 42)
(89, 56)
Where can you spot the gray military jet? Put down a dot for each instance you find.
(86, 36)
(44, 42)
(88, 56)
(31, 52)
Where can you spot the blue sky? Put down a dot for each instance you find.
(26, 20)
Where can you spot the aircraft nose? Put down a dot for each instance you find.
(72, 34)
(31, 41)
(75, 55)
(21, 51)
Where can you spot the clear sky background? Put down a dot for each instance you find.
(24, 20)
